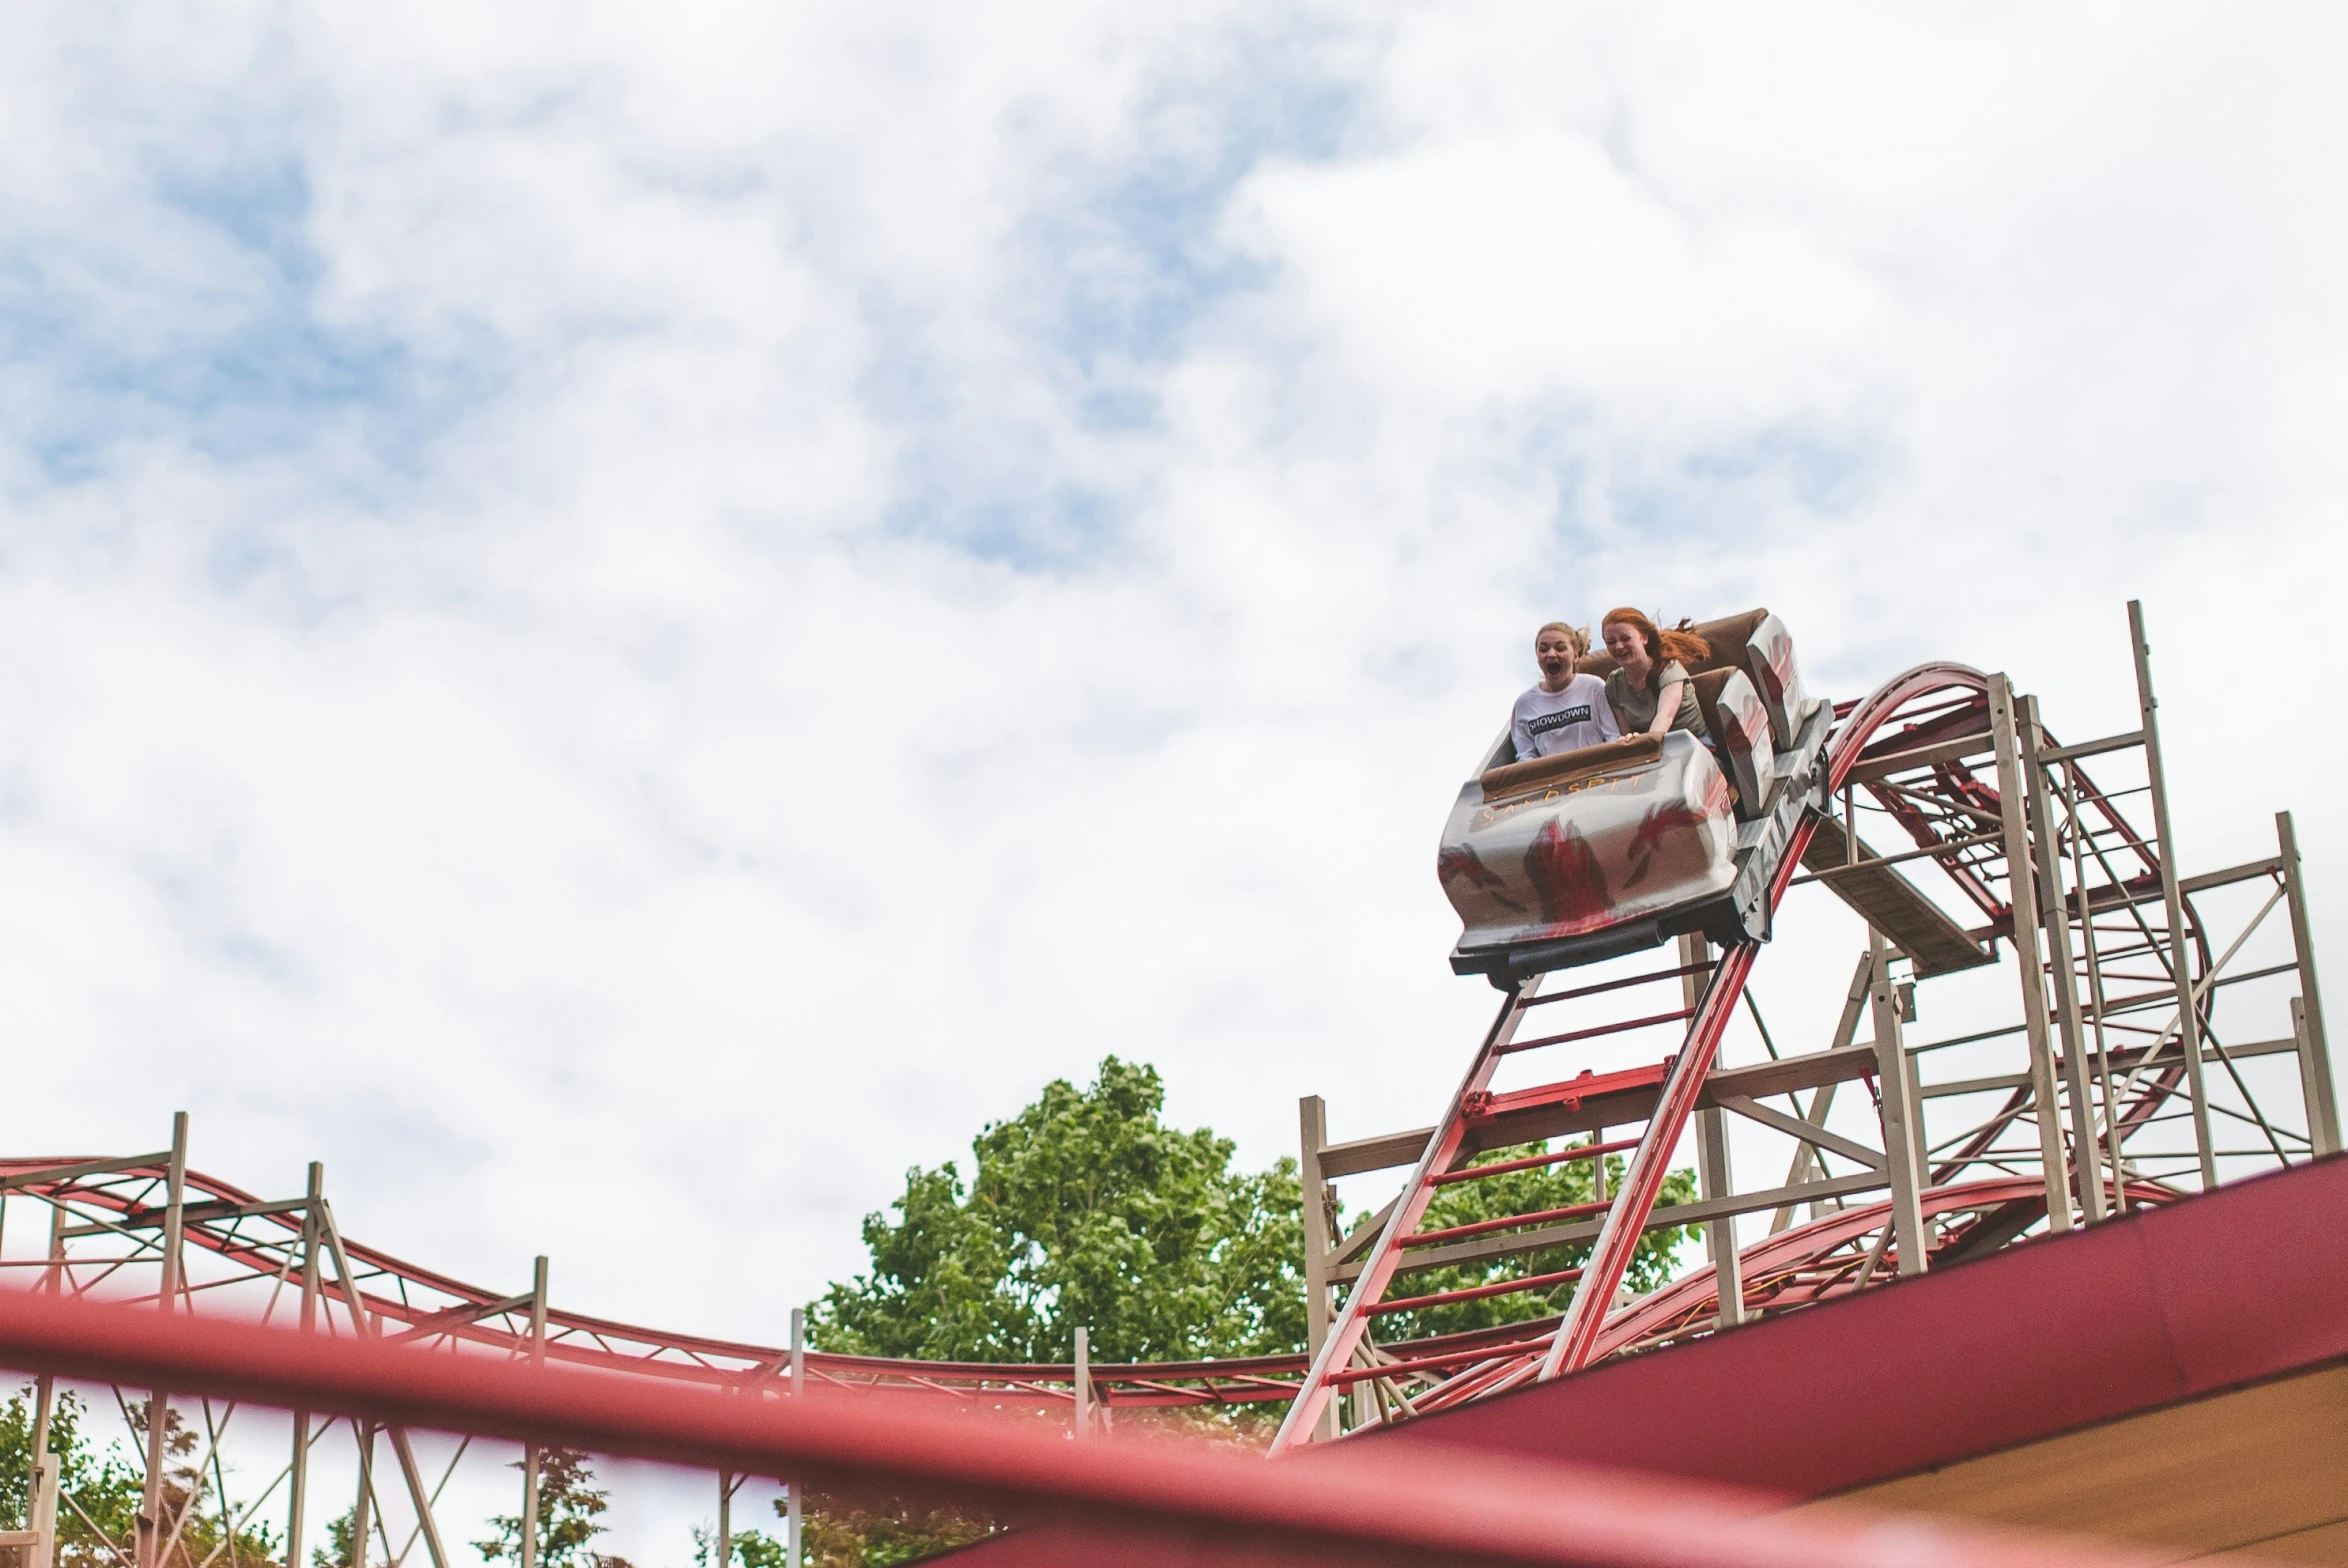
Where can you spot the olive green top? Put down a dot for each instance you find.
(1634, 707)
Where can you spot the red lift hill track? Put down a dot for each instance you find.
(2155, 1035)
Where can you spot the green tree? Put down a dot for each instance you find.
(1084, 1209)
(884, 1531)
(750, 1548)
(867, 1532)
(336, 1553)
(105, 1485)
(104, 1488)
(569, 1502)
(1543, 1188)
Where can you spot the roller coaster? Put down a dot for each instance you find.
(2106, 1094)
(2129, 1078)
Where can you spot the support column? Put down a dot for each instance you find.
(299, 1472)
(530, 1451)
(419, 1495)
(1082, 1392)
(361, 1511)
(44, 1403)
(2180, 959)
(2021, 892)
(45, 1387)
(45, 1465)
(794, 1525)
(2054, 916)
(1312, 1117)
(1903, 1140)
(150, 1520)
(724, 1556)
(2315, 1058)
(2098, 999)
(42, 1510)
(1712, 1172)
(1720, 1234)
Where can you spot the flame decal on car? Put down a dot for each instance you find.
(1463, 861)
(1566, 876)
(1670, 817)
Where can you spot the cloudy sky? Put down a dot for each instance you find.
(624, 620)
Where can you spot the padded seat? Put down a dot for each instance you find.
(1727, 638)
(1739, 722)
(1708, 686)
(1730, 644)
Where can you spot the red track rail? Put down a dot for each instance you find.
(1132, 1502)
(263, 1249)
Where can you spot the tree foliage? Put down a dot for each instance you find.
(336, 1553)
(884, 1531)
(1084, 1209)
(569, 1503)
(869, 1531)
(98, 1511)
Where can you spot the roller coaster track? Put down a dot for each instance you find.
(111, 1213)
(1572, 1341)
(2085, 1125)
(2083, 1129)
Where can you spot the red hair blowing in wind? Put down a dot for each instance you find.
(1677, 643)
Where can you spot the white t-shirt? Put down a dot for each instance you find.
(1545, 723)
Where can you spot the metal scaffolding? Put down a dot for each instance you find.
(2115, 1086)
(147, 1230)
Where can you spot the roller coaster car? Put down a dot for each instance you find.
(1585, 855)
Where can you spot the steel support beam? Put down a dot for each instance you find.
(419, 1495)
(2315, 1057)
(2055, 919)
(1663, 1217)
(1713, 1179)
(362, 1519)
(529, 1551)
(1720, 1234)
(1807, 1132)
(47, 1468)
(794, 1517)
(150, 1520)
(298, 1502)
(1313, 1129)
(1752, 1081)
(2021, 893)
(48, 1175)
(2172, 899)
(1901, 1114)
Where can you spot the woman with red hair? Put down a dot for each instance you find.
(1649, 688)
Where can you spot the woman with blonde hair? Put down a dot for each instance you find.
(1566, 711)
(1649, 687)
